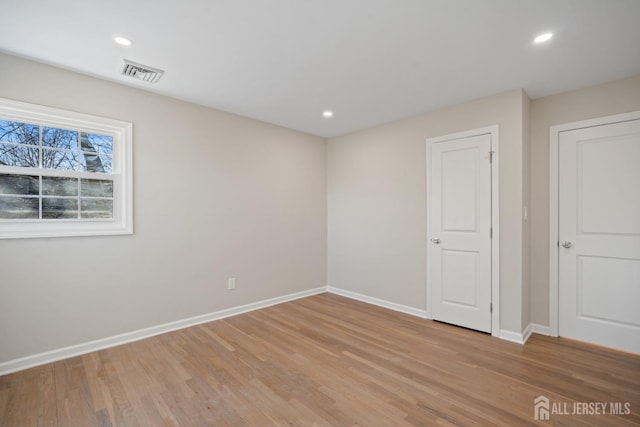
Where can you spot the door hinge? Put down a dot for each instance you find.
(491, 156)
(491, 232)
(490, 307)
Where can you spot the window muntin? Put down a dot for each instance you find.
(63, 173)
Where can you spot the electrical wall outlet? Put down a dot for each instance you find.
(231, 283)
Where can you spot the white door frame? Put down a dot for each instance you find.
(495, 222)
(554, 211)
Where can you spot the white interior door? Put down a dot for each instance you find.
(460, 226)
(599, 235)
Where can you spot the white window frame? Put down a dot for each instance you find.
(122, 173)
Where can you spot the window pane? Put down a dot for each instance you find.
(19, 184)
(59, 208)
(18, 155)
(60, 138)
(95, 208)
(52, 186)
(96, 188)
(95, 143)
(18, 208)
(61, 160)
(18, 133)
(95, 163)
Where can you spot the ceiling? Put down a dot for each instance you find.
(370, 61)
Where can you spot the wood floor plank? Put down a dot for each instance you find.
(328, 361)
(17, 398)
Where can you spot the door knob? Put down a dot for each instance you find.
(566, 244)
(436, 241)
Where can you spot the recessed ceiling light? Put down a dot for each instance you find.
(122, 41)
(327, 114)
(543, 38)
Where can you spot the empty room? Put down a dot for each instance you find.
(339, 213)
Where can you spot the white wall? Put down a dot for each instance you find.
(377, 203)
(607, 99)
(218, 195)
(215, 195)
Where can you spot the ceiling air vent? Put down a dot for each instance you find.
(141, 72)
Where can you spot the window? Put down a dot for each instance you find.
(63, 173)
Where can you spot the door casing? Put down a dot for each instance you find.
(554, 208)
(495, 241)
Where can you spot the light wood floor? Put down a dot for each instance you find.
(327, 361)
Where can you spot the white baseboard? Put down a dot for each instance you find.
(526, 333)
(100, 344)
(518, 338)
(524, 336)
(379, 302)
(540, 329)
